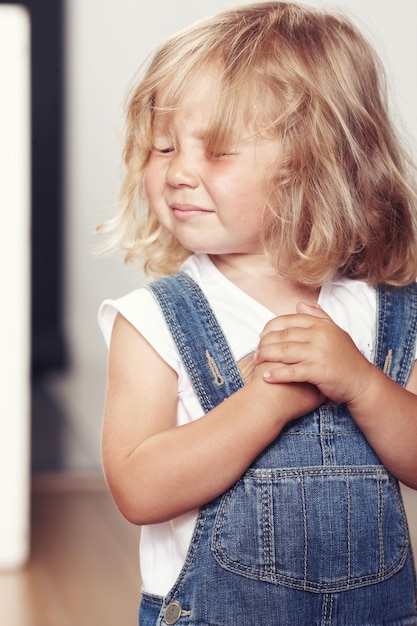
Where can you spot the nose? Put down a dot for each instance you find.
(182, 171)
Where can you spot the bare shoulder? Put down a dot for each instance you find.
(141, 396)
(130, 353)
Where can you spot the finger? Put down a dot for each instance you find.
(296, 334)
(311, 309)
(287, 373)
(284, 322)
(283, 352)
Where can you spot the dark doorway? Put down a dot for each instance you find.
(48, 345)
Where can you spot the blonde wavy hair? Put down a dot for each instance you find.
(342, 198)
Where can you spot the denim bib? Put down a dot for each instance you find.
(314, 532)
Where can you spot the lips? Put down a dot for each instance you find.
(188, 211)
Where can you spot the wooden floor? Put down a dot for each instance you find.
(83, 569)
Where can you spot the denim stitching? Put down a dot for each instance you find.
(218, 379)
(351, 582)
(267, 528)
(194, 545)
(327, 609)
(380, 530)
(387, 308)
(217, 333)
(305, 527)
(179, 338)
(326, 435)
(349, 545)
(410, 345)
(220, 340)
(182, 290)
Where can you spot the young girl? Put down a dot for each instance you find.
(261, 402)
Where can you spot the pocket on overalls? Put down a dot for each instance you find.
(318, 529)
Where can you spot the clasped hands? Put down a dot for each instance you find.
(308, 347)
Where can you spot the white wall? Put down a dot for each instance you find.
(106, 41)
(15, 282)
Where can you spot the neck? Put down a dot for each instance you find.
(255, 275)
(244, 265)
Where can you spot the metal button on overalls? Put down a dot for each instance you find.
(173, 612)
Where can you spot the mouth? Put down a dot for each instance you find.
(188, 211)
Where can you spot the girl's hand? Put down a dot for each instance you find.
(303, 395)
(310, 347)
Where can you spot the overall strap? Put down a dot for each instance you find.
(201, 343)
(396, 331)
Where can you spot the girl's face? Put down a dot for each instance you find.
(209, 203)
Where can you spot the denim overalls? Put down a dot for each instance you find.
(314, 533)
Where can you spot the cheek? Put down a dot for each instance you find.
(149, 182)
(154, 177)
(154, 193)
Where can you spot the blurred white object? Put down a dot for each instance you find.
(14, 284)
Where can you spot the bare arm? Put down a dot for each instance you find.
(156, 470)
(309, 347)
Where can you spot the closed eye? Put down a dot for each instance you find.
(218, 155)
(166, 150)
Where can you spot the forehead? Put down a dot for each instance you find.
(221, 111)
(194, 105)
(193, 89)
